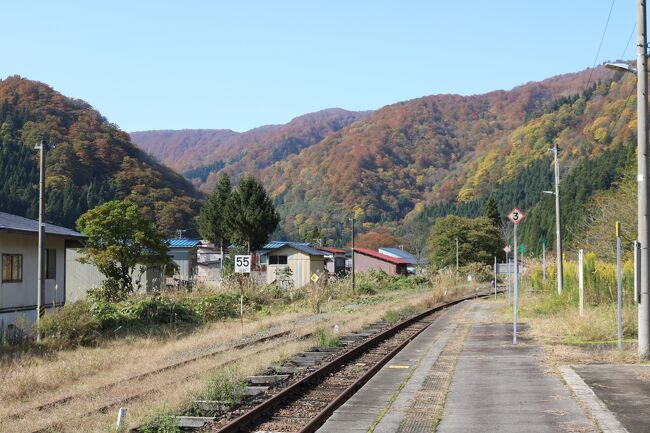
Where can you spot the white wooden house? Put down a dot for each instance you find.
(19, 252)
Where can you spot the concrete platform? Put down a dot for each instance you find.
(501, 387)
(618, 396)
(492, 385)
(391, 387)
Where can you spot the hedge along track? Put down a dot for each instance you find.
(247, 342)
(306, 404)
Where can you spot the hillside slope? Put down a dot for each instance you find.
(409, 156)
(202, 154)
(93, 161)
(416, 160)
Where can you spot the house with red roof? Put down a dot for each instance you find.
(366, 259)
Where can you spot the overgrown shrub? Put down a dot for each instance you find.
(226, 385)
(71, 326)
(480, 272)
(390, 316)
(326, 338)
(218, 306)
(163, 423)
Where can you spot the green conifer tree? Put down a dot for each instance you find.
(250, 216)
(211, 219)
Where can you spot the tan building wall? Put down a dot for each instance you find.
(302, 265)
(81, 277)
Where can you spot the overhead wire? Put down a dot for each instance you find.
(600, 45)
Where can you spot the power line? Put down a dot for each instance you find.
(602, 38)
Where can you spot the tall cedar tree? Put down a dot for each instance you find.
(119, 239)
(211, 219)
(250, 216)
(491, 212)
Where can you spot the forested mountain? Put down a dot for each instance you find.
(437, 154)
(200, 153)
(92, 162)
(408, 163)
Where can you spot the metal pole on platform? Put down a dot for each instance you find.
(495, 278)
(619, 291)
(581, 281)
(635, 246)
(514, 307)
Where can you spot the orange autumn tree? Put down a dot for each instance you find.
(378, 239)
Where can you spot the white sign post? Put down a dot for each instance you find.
(242, 266)
(516, 216)
(508, 278)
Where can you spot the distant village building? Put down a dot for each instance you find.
(81, 277)
(209, 263)
(334, 260)
(183, 253)
(366, 259)
(272, 260)
(404, 255)
(19, 252)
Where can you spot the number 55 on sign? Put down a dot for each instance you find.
(242, 264)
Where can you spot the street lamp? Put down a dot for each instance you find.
(641, 72)
(621, 67)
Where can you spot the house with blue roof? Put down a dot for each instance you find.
(399, 253)
(183, 253)
(274, 258)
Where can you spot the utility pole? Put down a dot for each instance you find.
(354, 290)
(641, 72)
(40, 298)
(642, 179)
(558, 225)
(456, 255)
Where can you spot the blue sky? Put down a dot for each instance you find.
(242, 64)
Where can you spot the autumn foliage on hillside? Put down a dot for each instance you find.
(226, 151)
(428, 156)
(93, 161)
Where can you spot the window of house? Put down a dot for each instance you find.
(278, 260)
(262, 259)
(12, 268)
(50, 264)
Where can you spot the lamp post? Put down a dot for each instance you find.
(641, 72)
(558, 222)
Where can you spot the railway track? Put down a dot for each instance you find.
(173, 369)
(305, 404)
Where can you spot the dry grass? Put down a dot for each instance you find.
(32, 381)
(569, 338)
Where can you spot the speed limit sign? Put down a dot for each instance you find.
(242, 264)
(516, 216)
